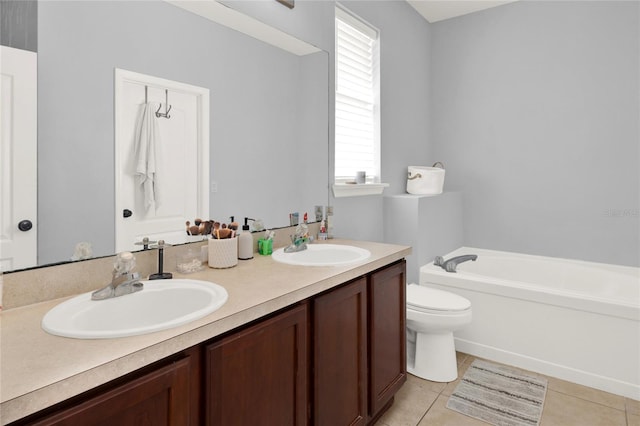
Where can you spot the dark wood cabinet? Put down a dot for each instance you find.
(359, 347)
(334, 359)
(161, 397)
(259, 376)
(387, 335)
(340, 356)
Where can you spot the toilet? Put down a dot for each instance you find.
(432, 317)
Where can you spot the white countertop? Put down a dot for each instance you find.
(38, 370)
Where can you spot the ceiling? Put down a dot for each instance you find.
(438, 10)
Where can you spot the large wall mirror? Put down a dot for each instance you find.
(268, 116)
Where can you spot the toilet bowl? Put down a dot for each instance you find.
(432, 317)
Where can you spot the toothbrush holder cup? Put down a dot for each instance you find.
(265, 247)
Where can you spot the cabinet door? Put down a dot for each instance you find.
(387, 335)
(158, 398)
(259, 376)
(340, 356)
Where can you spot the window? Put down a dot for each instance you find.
(357, 138)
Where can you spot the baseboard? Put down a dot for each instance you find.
(547, 368)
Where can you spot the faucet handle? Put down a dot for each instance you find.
(450, 266)
(124, 263)
(438, 261)
(145, 243)
(160, 244)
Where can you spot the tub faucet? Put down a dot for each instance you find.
(451, 264)
(123, 281)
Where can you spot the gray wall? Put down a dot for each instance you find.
(535, 109)
(18, 24)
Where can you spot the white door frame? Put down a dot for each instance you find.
(202, 94)
(19, 158)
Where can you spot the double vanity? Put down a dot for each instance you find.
(292, 344)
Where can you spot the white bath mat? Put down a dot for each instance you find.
(499, 395)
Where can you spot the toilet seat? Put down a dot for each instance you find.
(425, 299)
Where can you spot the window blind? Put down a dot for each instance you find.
(357, 144)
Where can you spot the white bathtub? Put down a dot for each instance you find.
(578, 321)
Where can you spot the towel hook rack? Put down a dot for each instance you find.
(167, 107)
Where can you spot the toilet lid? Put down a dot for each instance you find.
(421, 297)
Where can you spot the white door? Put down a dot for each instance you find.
(183, 168)
(18, 159)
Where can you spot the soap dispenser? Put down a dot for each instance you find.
(245, 242)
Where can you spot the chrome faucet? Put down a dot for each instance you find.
(451, 264)
(300, 240)
(123, 281)
(297, 244)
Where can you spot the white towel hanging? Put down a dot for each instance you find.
(147, 155)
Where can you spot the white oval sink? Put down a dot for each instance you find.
(160, 305)
(323, 255)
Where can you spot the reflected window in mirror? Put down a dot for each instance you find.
(357, 138)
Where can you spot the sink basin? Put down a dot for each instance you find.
(323, 255)
(160, 305)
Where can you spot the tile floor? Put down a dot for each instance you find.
(421, 403)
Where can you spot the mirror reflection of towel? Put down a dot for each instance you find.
(147, 155)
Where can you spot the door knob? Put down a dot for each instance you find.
(126, 213)
(25, 225)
